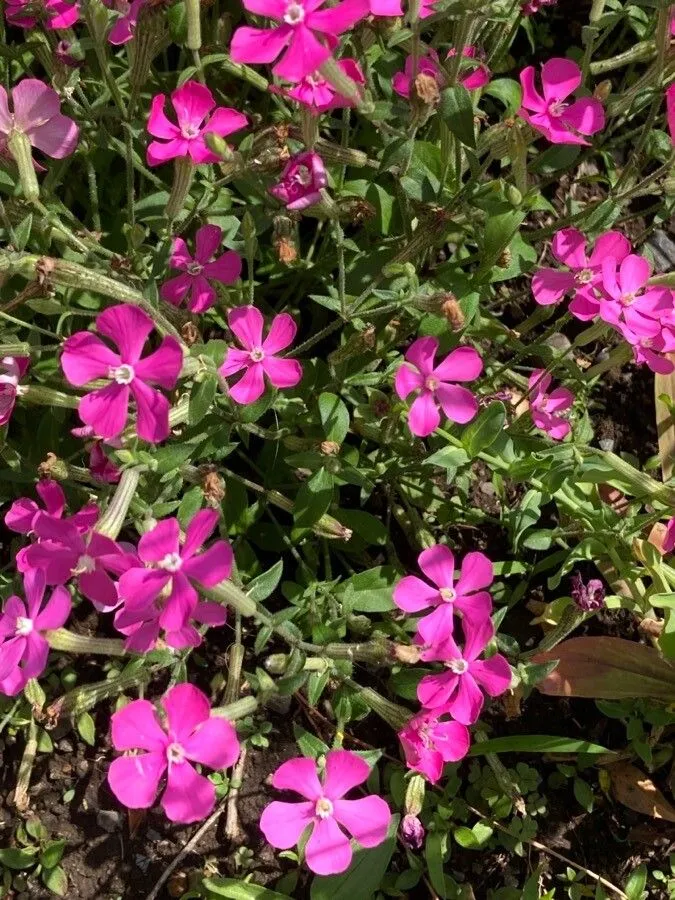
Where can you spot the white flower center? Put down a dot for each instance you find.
(123, 374)
(295, 13)
(85, 565)
(171, 562)
(448, 594)
(194, 268)
(175, 753)
(303, 176)
(189, 131)
(24, 626)
(458, 666)
(431, 384)
(556, 108)
(257, 354)
(323, 808)
(627, 299)
(584, 277)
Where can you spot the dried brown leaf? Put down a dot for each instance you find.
(632, 788)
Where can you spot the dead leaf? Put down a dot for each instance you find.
(656, 537)
(634, 789)
(607, 668)
(665, 422)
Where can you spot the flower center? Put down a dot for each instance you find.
(295, 13)
(323, 808)
(431, 383)
(556, 108)
(627, 299)
(24, 626)
(448, 594)
(303, 176)
(584, 277)
(85, 565)
(123, 374)
(171, 562)
(175, 753)
(189, 131)
(458, 666)
(194, 268)
(315, 80)
(257, 354)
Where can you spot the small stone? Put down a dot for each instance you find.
(109, 820)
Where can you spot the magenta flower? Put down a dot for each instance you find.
(296, 35)
(546, 407)
(557, 120)
(259, 357)
(191, 735)
(430, 66)
(100, 466)
(669, 539)
(12, 370)
(301, 181)
(23, 512)
(588, 597)
(457, 690)
(434, 384)
(193, 103)
(530, 7)
(428, 743)
(318, 94)
(23, 648)
(395, 8)
(85, 358)
(627, 302)
(651, 351)
(226, 268)
(466, 597)
(63, 552)
(328, 850)
(125, 26)
(37, 114)
(161, 594)
(670, 111)
(585, 272)
(53, 14)
(411, 832)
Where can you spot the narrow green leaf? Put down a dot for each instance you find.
(334, 417)
(313, 499)
(535, 743)
(484, 430)
(51, 855)
(87, 729)
(457, 111)
(234, 889)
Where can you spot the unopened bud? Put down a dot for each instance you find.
(453, 313)
(219, 146)
(513, 195)
(357, 344)
(53, 467)
(414, 796)
(20, 148)
(412, 832)
(329, 448)
(603, 90)
(190, 333)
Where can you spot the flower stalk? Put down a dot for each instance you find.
(183, 173)
(19, 146)
(69, 642)
(111, 522)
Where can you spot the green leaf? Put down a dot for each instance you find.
(535, 743)
(507, 91)
(370, 591)
(583, 794)
(636, 883)
(13, 858)
(334, 417)
(447, 458)
(472, 838)
(201, 398)
(434, 851)
(313, 499)
(363, 877)
(87, 729)
(261, 587)
(310, 745)
(51, 855)
(456, 109)
(22, 232)
(484, 430)
(56, 880)
(234, 889)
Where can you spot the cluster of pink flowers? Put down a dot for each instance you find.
(611, 284)
(428, 65)
(451, 699)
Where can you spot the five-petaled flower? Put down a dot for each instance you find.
(429, 72)
(300, 21)
(191, 735)
(12, 370)
(21, 515)
(86, 358)
(36, 113)
(125, 26)
(23, 647)
(318, 94)
(194, 105)
(301, 182)
(199, 270)
(627, 302)
(259, 357)
(559, 121)
(324, 809)
(546, 407)
(429, 742)
(435, 386)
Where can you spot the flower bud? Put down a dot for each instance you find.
(603, 90)
(219, 146)
(414, 796)
(329, 448)
(19, 146)
(412, 832)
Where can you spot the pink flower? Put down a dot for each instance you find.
(63, 552)
(530, 7)
(37, 114)
(429, 65)
(192, 103)
(466, 597)
(259, 357)
(301, 181)
(197, 272)
(54, 14)
(100, 466)
(585, 272)
(560, 122)
(124, 28)
(457, 690)
(328, 850)
(411, 832)
(300, 21)
(23, 512)
(85, 358)
(419, 374)
(161, 595)
(395, 8)
(670, 111)
(627, 302)
(65, 57)
(318, 94)
(428, 743)
(669, 539)
(23, 649)
(12, 370)
(191, 735)
(546, 408)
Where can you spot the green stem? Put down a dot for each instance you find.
(112, 521)
(69, 642)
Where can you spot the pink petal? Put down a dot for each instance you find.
(19, 517)
(340, 18)
(6, 118)
(210, 613)
(435, 690)
(225, 121)
(538, 384)
(583, 306)
(273, 9)
(207, 242)
(56, 610)
(559, 400)
(440, 622)
(106, 410)
(438, 564)
(550, 286)
(585, 115)
(141, 586)
(85, 358)
(421, 354)
(634, 272)
(532, 99)
(160, 541)
(163, 366)
(478, 636)
(235, 361)
(477, 572)
(199, 529)
(158, 152)
(57, 138)
(250, 387)
(493, 675)
(175, 289)
(258, 45)
(134, 780)
(283, 373)
(99, 587)
(424, 418)
(467, 703)
(202, 295)
(186, 707)
(412, 594)
(136, 727)
(52, 496)
(344, 771)
(152, 413)
(226, 269)
(612, 243)
(212, 566)
(281, 334)
(11, 654)
(213, 743)
(560, 78)
(452, 740)
(569, 248)
(298, 775)
(463, 364)
(305, 54)
(180, 255)
(328, 851)
(180, 604)
(407, 380)
(246, 322)
(283, 823)
(193, 102)
(458, 403)
(367, 819)
(128, 327)
(555, 427)
(158, 124)
(35, 103)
